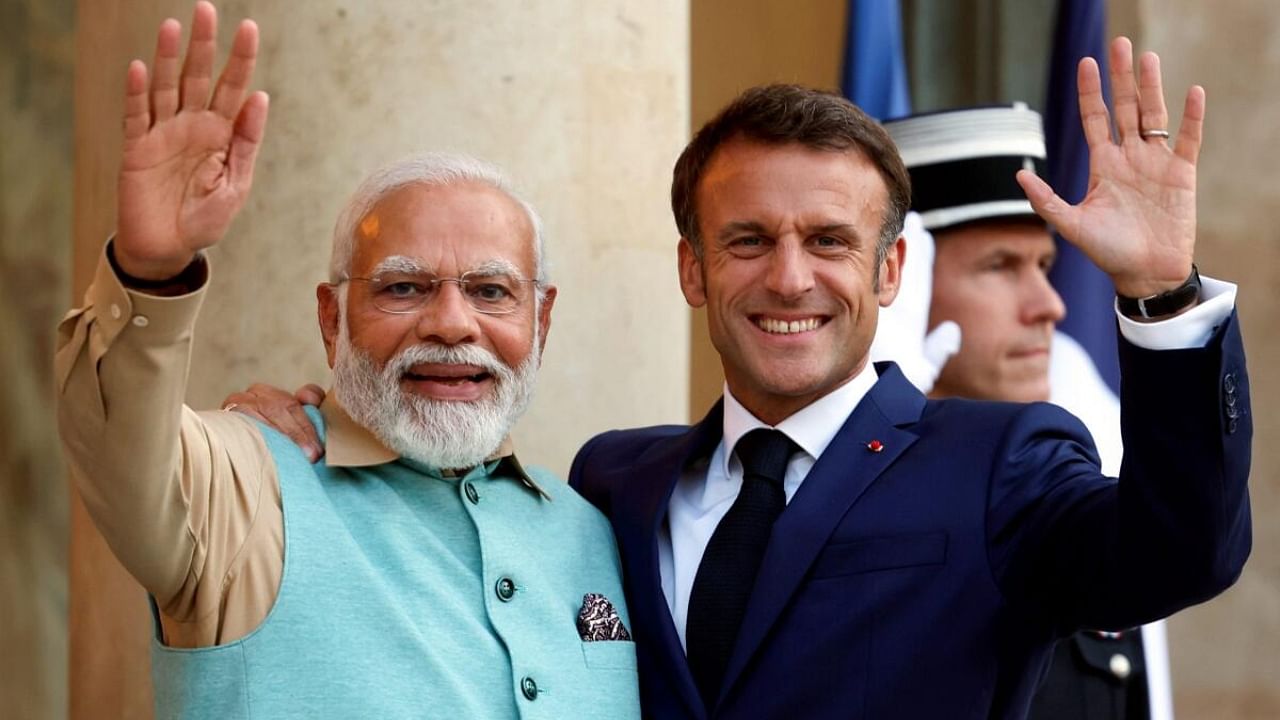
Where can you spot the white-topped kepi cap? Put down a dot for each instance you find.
(962, 162)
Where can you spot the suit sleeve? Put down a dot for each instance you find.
(1173, 531)
(582, 478)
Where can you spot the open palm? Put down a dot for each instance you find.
(188, 160)
(1138, 220)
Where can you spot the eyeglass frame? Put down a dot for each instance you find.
(460, 280)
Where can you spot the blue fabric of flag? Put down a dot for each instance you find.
(875, 72)
(1086, 290)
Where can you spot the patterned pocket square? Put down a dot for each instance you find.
(598, 620)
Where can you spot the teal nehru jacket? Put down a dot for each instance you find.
(407, 593)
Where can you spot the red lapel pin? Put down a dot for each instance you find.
(875, 446)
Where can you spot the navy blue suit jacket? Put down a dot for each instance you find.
(929, 580)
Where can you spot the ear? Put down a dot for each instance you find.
(891, 271)
(692, 280)
(327, 313)
(544, 318)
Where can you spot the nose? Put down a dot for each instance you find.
(789, 274)
(1040, 302)
(448, 318)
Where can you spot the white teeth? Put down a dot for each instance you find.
(783, 327)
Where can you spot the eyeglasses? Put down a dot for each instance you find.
(492, 293)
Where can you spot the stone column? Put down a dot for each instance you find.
(586, 104)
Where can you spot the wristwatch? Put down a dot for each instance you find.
(1166, 303)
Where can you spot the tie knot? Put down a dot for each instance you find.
(765, 453)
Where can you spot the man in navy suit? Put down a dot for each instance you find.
(991, 277)
(829, 543)
(929, 552)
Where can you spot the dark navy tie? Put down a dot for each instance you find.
(722, 586)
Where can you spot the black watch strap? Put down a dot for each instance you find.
(1166, 303)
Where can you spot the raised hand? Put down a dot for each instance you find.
(188, 158)
(1138, 220)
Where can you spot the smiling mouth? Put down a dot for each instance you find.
(447, 374)
(448, 379)
(774, 326)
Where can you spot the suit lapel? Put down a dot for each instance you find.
(639, 511)
(841, 475)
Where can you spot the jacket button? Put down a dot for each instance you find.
(506, 589)
(1229, 382)
(1233, 412)
(1120, 666)
(471, 493)
(1231, 426)
(529, 688)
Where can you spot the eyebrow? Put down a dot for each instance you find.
(1004, 254)
(740, 226)
(399, 264)
(412, 266)
(497, 266)
(751, 226)
(838, 229)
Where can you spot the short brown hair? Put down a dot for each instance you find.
(781, 114)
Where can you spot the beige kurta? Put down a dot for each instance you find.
(188, 501)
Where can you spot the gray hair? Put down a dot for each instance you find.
(425, 169)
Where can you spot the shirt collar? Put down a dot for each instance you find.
(350, 444)
(813, 427)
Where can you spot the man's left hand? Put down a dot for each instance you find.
(1138, 220)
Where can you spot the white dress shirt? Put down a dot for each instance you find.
(702, 496)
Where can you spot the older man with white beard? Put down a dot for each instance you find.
(440, 433)
(418, 570)
(434, 426)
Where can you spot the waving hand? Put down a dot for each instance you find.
(188, 155)
(1138, 220)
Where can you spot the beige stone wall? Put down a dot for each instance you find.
(586, 103)
(36, 59)
(1226, 653)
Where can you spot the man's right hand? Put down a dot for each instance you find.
(188, 158)
(282, 411)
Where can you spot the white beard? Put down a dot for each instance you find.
(445, 434)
